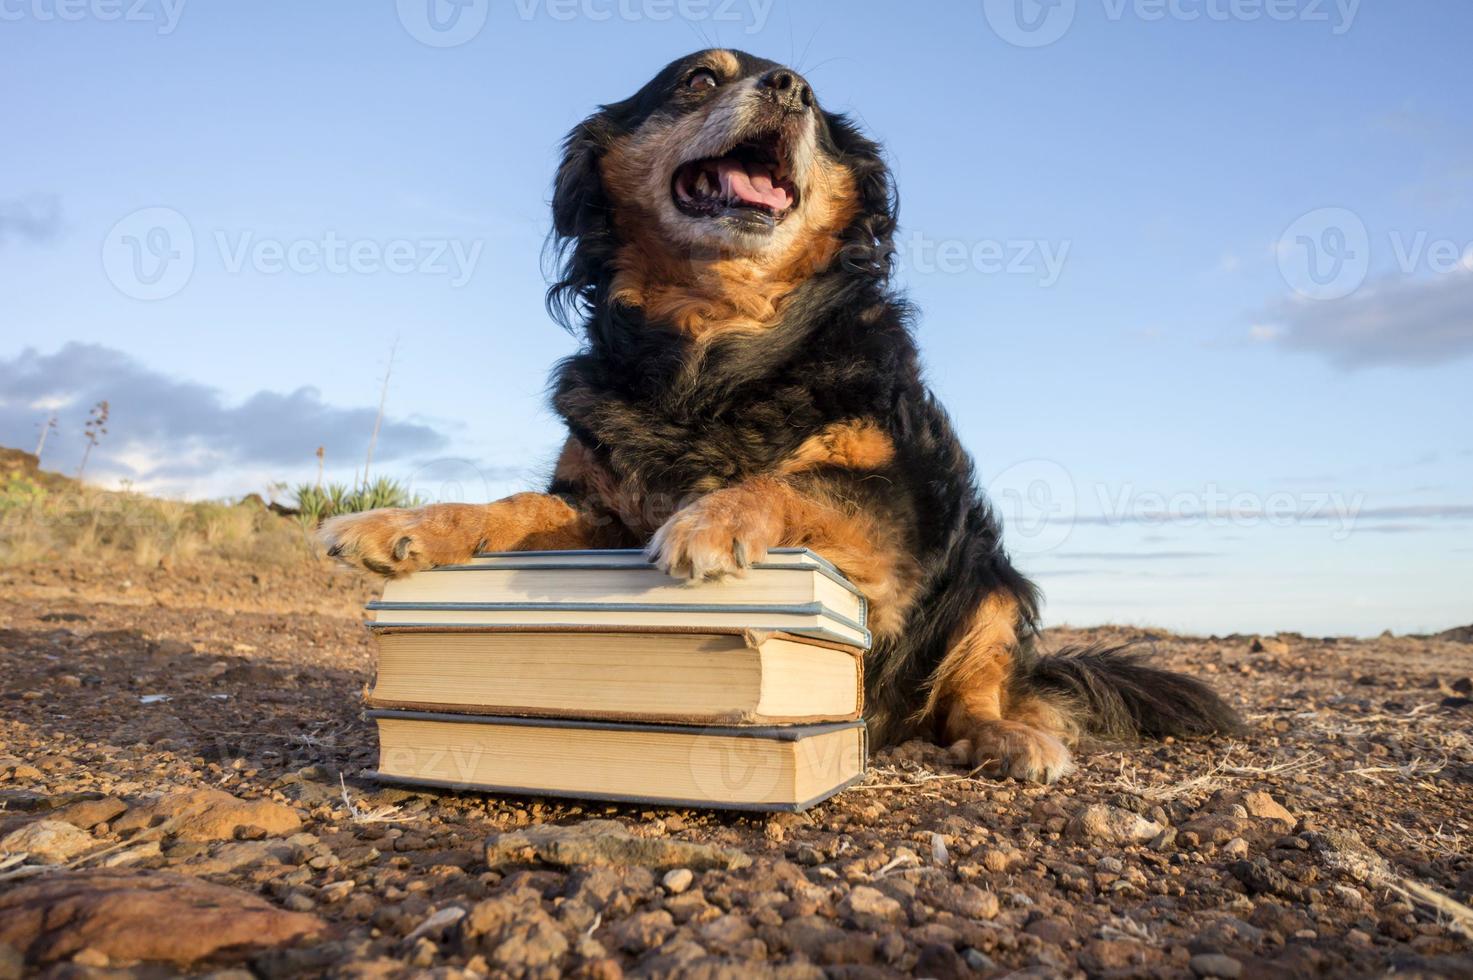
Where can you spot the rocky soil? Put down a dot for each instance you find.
(179, 792)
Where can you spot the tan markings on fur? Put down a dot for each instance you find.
(968, 684)
(724, 62)
(855, 445)
(1039, 713)
(768, 512)
(968, 702)
(703, 291)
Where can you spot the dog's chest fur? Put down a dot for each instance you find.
(666, 418)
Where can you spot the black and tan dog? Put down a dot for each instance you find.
(748, 380)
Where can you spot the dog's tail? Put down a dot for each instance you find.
(1112, 693)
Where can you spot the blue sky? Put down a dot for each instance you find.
(1196, 276)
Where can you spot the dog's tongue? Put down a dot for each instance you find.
(752, 188)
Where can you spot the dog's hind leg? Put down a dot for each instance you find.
(977, 710)
(1016, 713)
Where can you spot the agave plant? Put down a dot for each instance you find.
(316, 504)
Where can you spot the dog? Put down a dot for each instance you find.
(747, 379)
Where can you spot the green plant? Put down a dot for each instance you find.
(315, 504)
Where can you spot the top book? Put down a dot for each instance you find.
(791, 590)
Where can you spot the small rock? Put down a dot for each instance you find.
(678, 880)
(999, 860)
(148, 850)
(299, 902)
(1110, 823)
(86, 814)
(978, 960)
(140, 916)
(605, 843)
(336, 891)
(1216, 965)
(1265, 807)
(1051, 929)
(208, 815)
(234, 855)
(1235, 848)
(643, 930)
(48, 842)
(1269, 644)
(864, 905)
(95, 958)
(808, 856)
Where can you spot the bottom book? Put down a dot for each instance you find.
(776, 768)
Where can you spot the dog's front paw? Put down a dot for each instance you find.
(397, 541)
(712, 538)
(1011, 749)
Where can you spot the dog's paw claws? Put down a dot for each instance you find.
(374, 540)
(1013, 750)
(693, 545)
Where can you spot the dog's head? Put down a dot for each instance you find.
(722, 178)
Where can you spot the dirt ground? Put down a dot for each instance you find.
(1334, 839)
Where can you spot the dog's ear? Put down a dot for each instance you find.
(581, 240)
(870, 240)
(577, 192)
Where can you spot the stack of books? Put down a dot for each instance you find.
(593, 674)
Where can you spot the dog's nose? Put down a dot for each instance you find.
(787, 88)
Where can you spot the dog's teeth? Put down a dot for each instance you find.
(703, 184)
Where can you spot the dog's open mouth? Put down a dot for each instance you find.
(750, 181)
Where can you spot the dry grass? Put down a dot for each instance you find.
(1213, 777)
(75, 523)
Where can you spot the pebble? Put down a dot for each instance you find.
(865, 904)
(677, 880)
(1100, 821)
(48, 842)
(1216, 965)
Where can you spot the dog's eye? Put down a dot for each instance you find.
(702, 79)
